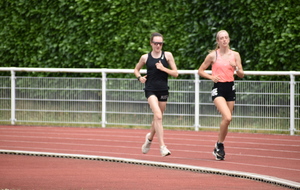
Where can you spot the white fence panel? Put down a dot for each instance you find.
(260, 105)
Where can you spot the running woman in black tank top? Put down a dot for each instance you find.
(159, 65)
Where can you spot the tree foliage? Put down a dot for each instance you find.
(115, 33)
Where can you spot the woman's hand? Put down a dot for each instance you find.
(159, 65)
(215, 78)
(233, 64)
(143, 79)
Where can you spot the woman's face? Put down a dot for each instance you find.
(157, 43)
(223, 39)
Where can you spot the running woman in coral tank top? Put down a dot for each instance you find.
(224, 62)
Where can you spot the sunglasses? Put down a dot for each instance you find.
(158, 43)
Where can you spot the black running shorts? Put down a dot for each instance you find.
(223, 89)
(162, 96)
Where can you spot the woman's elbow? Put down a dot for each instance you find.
(200, 72)
(240, 74)
(175, 74)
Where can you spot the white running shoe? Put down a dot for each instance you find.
(146, 145)
(164, 151)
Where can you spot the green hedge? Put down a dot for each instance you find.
(115, 33)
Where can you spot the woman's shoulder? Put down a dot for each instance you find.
(235, 52)
(145, 56)
(212, 54)
(168, 53)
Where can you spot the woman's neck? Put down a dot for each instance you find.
(156, 54)
(224, 51)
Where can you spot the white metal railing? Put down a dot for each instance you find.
(293, 92)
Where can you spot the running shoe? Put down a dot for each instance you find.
(164, 151)
(146, 145)
(219, 151)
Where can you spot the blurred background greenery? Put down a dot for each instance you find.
(115, 33)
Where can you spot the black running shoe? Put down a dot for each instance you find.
(219, 151)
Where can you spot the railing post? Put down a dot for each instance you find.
(103, 99)
(197, 81)
(292, 104)
(13, 97)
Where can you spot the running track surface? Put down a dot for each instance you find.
(276, 156)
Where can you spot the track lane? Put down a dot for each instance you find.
(272, 155)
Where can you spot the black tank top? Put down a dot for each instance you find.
(157, 80)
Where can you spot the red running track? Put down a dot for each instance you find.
(270, 155)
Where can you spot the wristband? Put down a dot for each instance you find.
(139, 78)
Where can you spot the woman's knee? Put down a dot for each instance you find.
(227, 118)
(157, 117)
